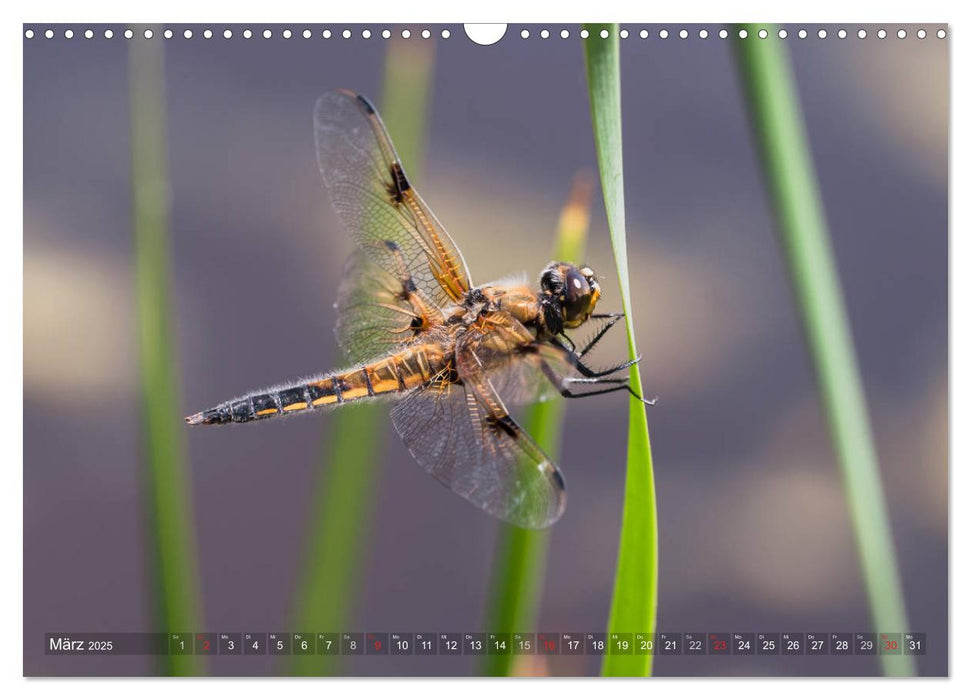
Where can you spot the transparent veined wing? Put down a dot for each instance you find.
(463, 435)
(394, 228)
(373, 314)
(519, 369)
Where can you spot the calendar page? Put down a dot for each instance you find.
(485, 350)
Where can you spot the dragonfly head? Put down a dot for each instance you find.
(571, 291)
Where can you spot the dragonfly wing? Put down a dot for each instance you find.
(389, 221)
(464, 437)
(514, 362)
(374, 315)
(520, 381)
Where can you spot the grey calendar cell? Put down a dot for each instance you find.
(595, 644)
(817, 644)
(376, 643)
(915, 643)
(571, 643)
(426, 644)
(450, 644)
(670, 643)
(695, 644)
(768, 644)
(621, 643)
(230, 643)
(719, 644)
(474, 643)
(793, 643)
(743, 644)
(865, 643)
(352, 643)
(180, 643)
(206, 643)
(328, 643)
(523, 643)
(891, 643)
(254, 643)
(304, 644)
(499, 644)
(278, 643)
(644, 643)
(841, 643)
(402, 644)
(548, 643)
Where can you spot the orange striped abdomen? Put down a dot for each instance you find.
(399, 372)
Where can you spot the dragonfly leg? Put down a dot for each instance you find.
(611, 320)
(615, 384)
(574, 359)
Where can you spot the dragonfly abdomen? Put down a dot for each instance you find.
(389, 375)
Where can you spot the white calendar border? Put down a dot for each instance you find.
(387, 11)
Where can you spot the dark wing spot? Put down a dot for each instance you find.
(368, 107)
(558, 479)
(408, 287)
(392, 246)
(393, 193)
(399, 183)
(399, 178)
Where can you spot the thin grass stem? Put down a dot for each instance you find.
(344, 500)
(634, 604)
(520, 559)
(167, 490)
(780, 132)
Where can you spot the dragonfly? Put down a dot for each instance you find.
(452, 355)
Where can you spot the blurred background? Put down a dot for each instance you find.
(755, 534)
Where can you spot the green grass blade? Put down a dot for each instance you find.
(350, 468)
(407, 91)
(520, 559)
(168, 501)
(794, 193)
(634, 604)
(343, 503)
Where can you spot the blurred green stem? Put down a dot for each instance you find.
(517, 575)
(634, 604)
(167, 494)
(348, 484)
(793, 190)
